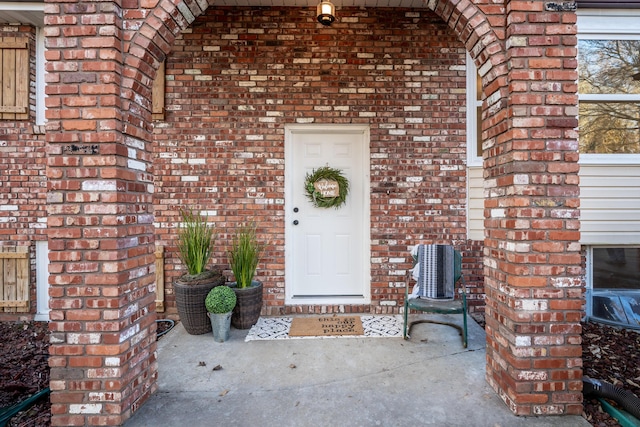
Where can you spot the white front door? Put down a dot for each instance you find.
(327, 250)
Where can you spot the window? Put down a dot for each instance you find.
(615, 267)
(609, 85)
(474, 114)
(42, 281)
(40, 84)
(613, 279)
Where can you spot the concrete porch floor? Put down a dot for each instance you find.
(429, 380)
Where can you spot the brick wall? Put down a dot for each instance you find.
(100, 221)
(22, 176)
(235, 78)
(533, 272)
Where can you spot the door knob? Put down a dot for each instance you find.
(296, 210)
(295, 222)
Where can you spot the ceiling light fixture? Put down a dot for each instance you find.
(326, 12)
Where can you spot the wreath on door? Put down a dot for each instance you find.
(326, 187)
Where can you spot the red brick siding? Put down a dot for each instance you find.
(100, 221)
(22, 175)
(533, 274)
(234, 79)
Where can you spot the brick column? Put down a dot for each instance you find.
(100, 225)
(533, 282)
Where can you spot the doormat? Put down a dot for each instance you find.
(278, 328)
(325, 326)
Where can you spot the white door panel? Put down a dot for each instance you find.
(327, 250)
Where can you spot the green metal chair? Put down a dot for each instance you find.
(437, 270)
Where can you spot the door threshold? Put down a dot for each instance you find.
(328, 300)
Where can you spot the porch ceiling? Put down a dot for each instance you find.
(33, 12)
(313, 3)
(30, 12)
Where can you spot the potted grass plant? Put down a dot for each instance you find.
(195, 243)
(244, 255)
(220, 302)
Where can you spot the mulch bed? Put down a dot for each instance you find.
(24, 370)
(612, 355)
(609, 354)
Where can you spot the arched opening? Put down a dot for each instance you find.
(404, 148)
(235, 81)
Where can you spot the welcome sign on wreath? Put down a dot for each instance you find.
(326, 187)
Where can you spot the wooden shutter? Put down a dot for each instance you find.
(14, 74)
(157, 95)
(14, 279)
(160, 279)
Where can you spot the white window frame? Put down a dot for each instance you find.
(607, 24)
(40, 83)
(589, 280)
(42, 281)
(473, 157)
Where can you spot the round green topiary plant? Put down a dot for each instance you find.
(220, 299)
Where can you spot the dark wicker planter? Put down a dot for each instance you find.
(190, 295)
(248, 305)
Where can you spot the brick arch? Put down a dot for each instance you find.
(148, 47)
(525, 323)
(153, 41)
(483, 42)
(157, 32)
